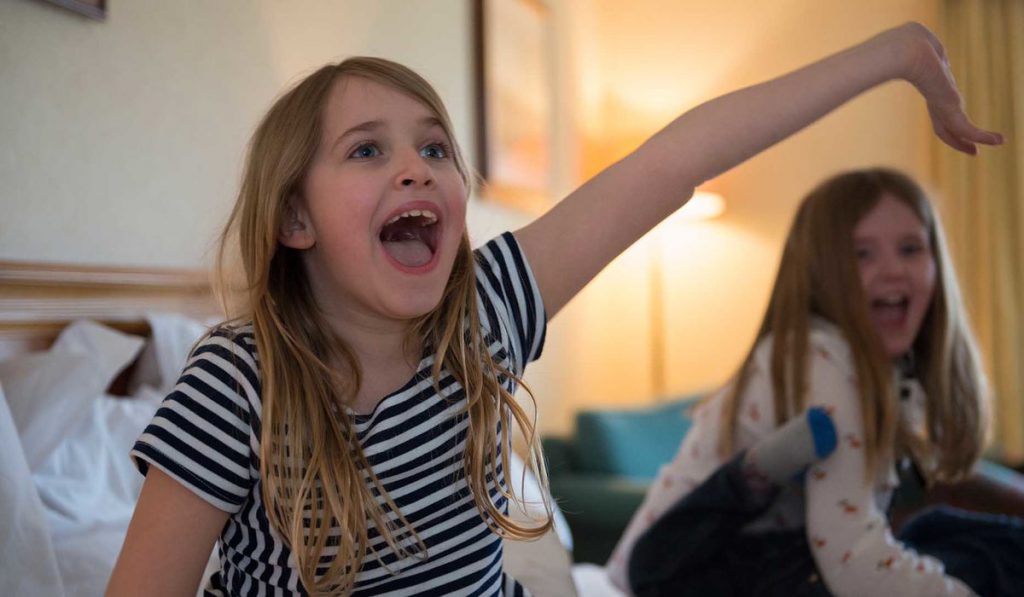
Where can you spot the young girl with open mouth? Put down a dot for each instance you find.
(347, 431)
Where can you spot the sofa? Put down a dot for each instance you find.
(600, 473)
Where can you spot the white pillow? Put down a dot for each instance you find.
(89, 481)
(50, 392)
(528, 489)
(110, 350)
(27, 562)
(161, 362)
(593, 581)
(543, 566)
(89, 487)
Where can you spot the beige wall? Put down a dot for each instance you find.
(122, 140)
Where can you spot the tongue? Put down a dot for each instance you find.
(410, 253)
(889, 314)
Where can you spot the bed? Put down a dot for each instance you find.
(86, 355)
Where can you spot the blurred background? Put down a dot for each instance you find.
(121, 143)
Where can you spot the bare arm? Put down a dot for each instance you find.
(169, 541)
(570, 244)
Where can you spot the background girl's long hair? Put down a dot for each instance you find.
(818, 277)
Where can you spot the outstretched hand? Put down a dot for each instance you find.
(571, 243)
(928, 70)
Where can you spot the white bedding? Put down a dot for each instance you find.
(28, 565)
(65, 452)
(592, 580)
(68, 488)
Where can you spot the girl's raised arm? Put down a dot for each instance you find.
(169, 540)
(570, 244)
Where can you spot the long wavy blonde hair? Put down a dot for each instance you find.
(311, 463)
(818, 276)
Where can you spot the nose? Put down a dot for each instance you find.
(413, 171)
(893, 266)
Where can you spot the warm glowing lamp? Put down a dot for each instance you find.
(703, 205)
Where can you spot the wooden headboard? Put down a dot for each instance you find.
(38, 299)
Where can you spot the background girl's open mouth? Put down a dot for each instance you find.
(890, 310)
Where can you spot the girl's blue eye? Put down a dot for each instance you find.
(435, 151)
(911, 249)
(366, 150)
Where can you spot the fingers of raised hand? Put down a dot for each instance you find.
(953, 141)
(931, 74)
(957, 131)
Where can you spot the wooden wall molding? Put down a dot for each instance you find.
(38, 299)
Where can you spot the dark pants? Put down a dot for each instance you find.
(985, 551)
(696, 547)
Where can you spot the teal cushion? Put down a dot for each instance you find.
(631, 442)
(1001, 474)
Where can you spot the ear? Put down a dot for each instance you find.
(296, 230)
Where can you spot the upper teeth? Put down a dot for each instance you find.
(891, 300)
(430, 216)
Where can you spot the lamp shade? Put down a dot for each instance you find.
(703, 205)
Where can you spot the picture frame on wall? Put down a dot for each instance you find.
(94, 9)
(515, 102)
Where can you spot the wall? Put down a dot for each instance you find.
(119, 135)
(642, 63)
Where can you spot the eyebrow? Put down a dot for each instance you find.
(431, 121)
(874, 239)
(364, 127)
(373, 125)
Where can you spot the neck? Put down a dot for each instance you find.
(906, 365)
(375, 342)
(386, 361)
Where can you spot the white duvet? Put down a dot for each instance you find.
(68, 488)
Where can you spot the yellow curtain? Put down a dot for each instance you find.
(983, 197)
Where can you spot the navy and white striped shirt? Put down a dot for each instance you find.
(206, 435)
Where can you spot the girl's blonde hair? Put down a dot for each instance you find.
(312, 466)
(819, 276)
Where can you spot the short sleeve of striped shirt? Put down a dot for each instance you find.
(510, 300)
(204, 433)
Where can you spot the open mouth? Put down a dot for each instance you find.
(410, 238)
(890, 310)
